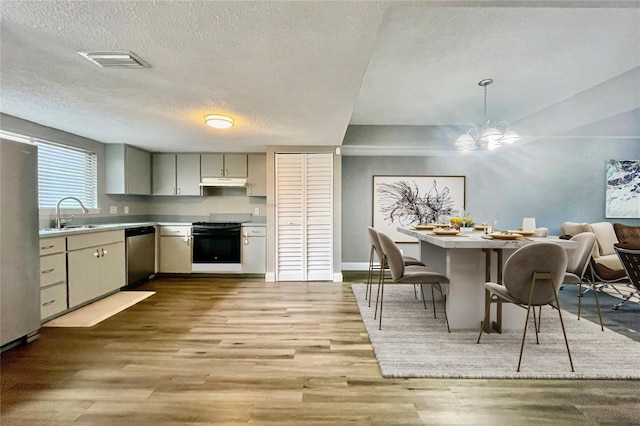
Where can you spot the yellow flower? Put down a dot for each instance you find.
(466, 220)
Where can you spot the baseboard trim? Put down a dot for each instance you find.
(355, 266)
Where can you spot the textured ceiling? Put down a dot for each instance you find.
(298, 73)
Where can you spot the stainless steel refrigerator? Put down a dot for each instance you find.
(19, 248)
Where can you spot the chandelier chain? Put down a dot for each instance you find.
(485, 103)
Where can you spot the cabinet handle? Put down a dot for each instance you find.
(103, 252)
(173, 191)
(96, 254)
(48, 271)
(226, 172)
(50, 302)
(221, 172)
(178, 191)
(46, 247)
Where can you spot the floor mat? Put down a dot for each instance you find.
(92, 314)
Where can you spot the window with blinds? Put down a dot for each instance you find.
(63, 171)
(66, 172)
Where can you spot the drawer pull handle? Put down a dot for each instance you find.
(48, 271)
(96, 254)
(47, 247)
(50, 302)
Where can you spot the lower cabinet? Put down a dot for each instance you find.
(53, 300)
(96, 265)
(175, 249)
(254, 249)
(53, 277)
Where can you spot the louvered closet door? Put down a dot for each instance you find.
(304, 209)
(319, 216)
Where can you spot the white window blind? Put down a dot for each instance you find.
(63, 171)
(66, 172)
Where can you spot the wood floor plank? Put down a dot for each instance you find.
(242, 351)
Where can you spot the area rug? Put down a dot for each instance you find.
(414, 344)
(92, 314)
(621, 291)
(625, 321)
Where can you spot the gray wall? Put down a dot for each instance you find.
(220, 200)
(553, 180)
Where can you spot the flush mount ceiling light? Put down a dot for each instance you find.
(115, 59)
(486, 136)
(218, 121)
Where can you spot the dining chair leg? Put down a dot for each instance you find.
(380, 276)
(579, 300)
(444, 306)
(486, 315)
(381, 300)
(524, 335)
(566, 342)
(536, 325)
(424, 301)
(367, 293)
(599, 313)
(433, 302)
(375, 312)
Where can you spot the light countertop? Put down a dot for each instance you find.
(475, 240)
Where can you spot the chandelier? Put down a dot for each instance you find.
(486, 136)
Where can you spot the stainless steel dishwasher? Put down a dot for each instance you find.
(141, 252)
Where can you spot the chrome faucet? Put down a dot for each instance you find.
(59, 222)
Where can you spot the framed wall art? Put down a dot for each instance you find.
(406, 201)
(623, 189)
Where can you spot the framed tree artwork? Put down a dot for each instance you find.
(406, 201)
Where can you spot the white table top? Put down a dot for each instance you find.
(475, 240)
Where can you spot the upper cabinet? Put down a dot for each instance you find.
(257, 176)
(224, 165)
(128, 170)
(176, 174)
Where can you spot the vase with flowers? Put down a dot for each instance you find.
(458, 222)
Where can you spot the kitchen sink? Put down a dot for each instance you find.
(74, 227)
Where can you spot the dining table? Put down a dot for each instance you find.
(469, 259)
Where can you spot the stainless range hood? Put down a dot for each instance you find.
(222, 181)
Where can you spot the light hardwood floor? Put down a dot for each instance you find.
(235, 351)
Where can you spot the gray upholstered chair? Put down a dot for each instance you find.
(411, 274)
(578, 261)
(532, 277)
(606, 266)
(376, 251)
(630, 257)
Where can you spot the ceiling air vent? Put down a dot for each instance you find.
(115, 59)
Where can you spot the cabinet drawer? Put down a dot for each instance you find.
(175, 231)
(94, 239)
(53, 269)
(52, 245)
(53, 300)
(254, 231)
